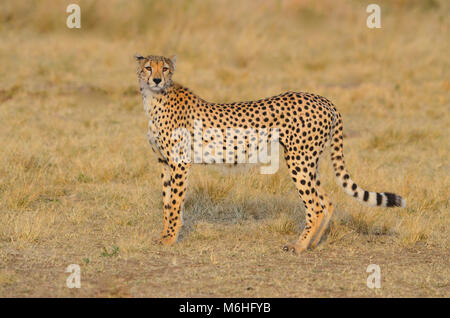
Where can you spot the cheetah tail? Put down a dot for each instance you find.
(383, 199)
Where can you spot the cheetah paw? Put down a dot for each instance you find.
(167, 241)
(294, 248)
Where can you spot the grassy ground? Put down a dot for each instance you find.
(79, 183)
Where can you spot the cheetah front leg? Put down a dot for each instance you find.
(166, 190)
(165, 181)
(173, 203)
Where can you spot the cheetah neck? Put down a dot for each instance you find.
(152, 100)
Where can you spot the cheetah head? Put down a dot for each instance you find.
(155, 71)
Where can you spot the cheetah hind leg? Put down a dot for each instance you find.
(315, 220)
(314, 212)
(328, 213)
(325, 204)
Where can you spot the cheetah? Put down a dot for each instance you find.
(306, 124)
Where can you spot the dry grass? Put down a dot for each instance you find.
(78, 182)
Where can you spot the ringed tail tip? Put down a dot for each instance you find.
(394, 200)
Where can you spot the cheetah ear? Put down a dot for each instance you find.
(173, 58)
(139, 58)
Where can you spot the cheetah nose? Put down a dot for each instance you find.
(157, 80)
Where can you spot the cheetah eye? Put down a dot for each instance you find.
(148, 68)
(165, 69)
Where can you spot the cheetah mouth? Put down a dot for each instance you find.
(155, 87)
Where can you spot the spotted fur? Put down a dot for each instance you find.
(306, 123)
